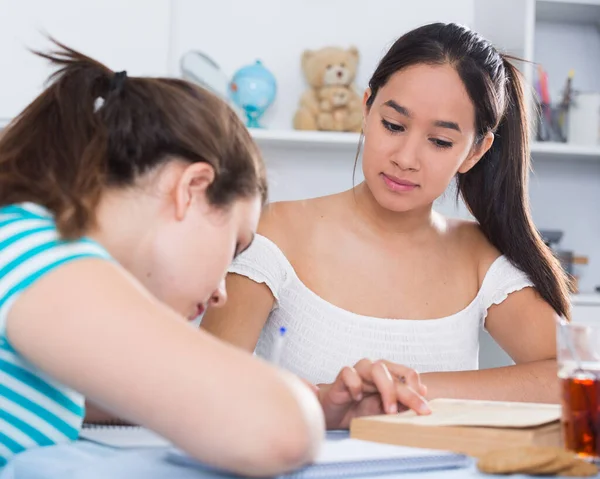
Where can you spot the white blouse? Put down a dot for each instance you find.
(322, 338)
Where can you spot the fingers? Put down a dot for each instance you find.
(411, 377)
(386, 386)
(348, 380)
(411, 399)
(395, 384)
(353, 383)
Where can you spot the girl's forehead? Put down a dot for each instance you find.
(429, 92)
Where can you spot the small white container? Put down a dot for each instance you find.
(584, 119)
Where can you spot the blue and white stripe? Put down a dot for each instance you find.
(35, 410)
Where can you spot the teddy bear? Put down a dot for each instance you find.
(339, 109)
(330, 102)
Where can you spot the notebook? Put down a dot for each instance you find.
(122, 436)
(466, 426)
(351, 457)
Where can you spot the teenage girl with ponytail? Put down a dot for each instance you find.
(374, 273)
(122, 202)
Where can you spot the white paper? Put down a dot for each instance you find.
(355, 450)
(123, 436)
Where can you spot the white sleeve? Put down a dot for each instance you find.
(264, 263)
(502, 278)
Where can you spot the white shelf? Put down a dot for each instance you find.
(294, 139)
(311, 140)
(586, 299)
(564, 151)
(568, 11)
(305, 139)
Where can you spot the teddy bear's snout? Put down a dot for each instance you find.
(337, 75)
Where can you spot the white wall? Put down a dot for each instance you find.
(124, 34)
(280, 30)
(560, 47)
(511, 15)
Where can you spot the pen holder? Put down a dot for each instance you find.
(552, 122)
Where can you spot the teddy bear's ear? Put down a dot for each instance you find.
(306, 55)
(353, 51)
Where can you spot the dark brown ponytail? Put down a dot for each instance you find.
(496, 192)
(92, 128)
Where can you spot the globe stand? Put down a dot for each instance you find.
(253, 116)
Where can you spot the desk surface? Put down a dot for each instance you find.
(84, 460)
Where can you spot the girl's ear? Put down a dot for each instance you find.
(192, 184)
(477, 153)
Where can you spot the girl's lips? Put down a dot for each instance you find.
(398, 184)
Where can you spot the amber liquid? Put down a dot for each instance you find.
(581, 414)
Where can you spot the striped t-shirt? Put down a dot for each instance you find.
(35, 410)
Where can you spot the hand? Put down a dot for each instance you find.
(371, 388)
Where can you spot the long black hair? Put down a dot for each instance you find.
(496, 189)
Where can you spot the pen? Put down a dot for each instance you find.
(568, 90)
(278, 346)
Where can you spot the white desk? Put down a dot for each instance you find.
(89, 461)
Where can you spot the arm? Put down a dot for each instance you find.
(241, 319)
(367, 388)
(524, 326)
(112, 341)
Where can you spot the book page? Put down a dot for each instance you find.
(460, 412)
(355, 450)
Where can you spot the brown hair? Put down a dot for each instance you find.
(93, 128)
(495, 189)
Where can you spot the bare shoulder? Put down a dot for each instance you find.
(286, 223)
(470, 237)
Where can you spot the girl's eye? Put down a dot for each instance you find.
(392, 127)
(395, 128)
(441, 143)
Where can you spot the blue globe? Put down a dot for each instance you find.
(253, 89)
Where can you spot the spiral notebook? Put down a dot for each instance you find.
(122, 436)
(352, 457)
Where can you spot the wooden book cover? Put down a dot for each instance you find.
(466, 426)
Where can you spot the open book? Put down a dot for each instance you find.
(466, 426)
